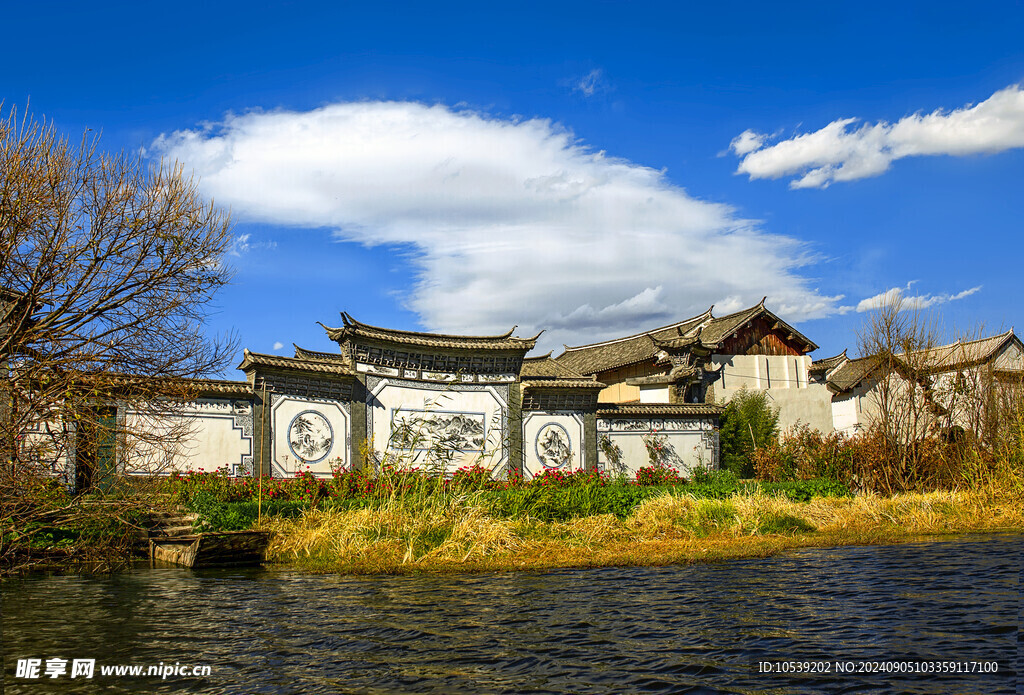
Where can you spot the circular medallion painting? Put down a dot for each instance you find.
(310, 436)
(553, 446)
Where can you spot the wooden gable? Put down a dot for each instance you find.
(762, 336)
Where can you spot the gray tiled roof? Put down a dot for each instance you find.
(657, 409)
(828, 363)
(250, 360)
(581, 383)
(720, 328)
(713, 332)
(931, 360)
(674, 376)
(706, 329)
(353, 329)
(544, 367)
(610, 354)
(219, 387)
(961, 353)
(851, 373)
(303, 353)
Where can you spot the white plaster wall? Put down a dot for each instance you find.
(811, 406)
(846, 413)
(48, 444)
(535, 425)
(691, 442)
(1010, 358)
(785, 378)
(855, 410)
(962, 392)
(654, 394)
(206, 434)
(392, 400)
(285, 461)
(762, 371)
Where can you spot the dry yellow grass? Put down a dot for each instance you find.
(456, 534)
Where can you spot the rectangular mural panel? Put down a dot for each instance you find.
(309, 434)
(552, 441)
(440, 428)
(422, 430)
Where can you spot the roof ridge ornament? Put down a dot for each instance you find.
(540, 357)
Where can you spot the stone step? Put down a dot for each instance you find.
(162, 514)
(172, 517)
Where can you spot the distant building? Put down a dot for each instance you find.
(956, 382)
(708, 359)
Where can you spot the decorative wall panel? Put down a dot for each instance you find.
(437, 427)
(308, 435)
(207, 434)
(552, 441)
(681, 444)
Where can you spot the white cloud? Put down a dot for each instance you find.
(747, 142)
(243, 244)
(240, 245)
(591, 83)
(278, 345)
(513, 221)
(842, 151)
(921, 301)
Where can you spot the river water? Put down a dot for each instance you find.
(699, 628)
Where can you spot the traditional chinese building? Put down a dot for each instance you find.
(446, 401)
(706, 360)
(955, 384)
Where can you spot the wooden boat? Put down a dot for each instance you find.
(210, 549)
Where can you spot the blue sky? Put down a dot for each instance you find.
(578, 167)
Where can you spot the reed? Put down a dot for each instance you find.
(456, 533)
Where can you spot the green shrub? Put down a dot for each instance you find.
(784, 523)
(747, 423)
(805, 490)
(215, 515)
(563, 503)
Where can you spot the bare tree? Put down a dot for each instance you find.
(108, 267)
(941, 414)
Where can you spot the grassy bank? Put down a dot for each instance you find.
(458, 533)
(44, 528)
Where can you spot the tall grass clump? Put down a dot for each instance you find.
(863, 462)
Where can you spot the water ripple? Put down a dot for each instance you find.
(698, 628)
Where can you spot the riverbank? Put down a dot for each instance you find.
(456, 534)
